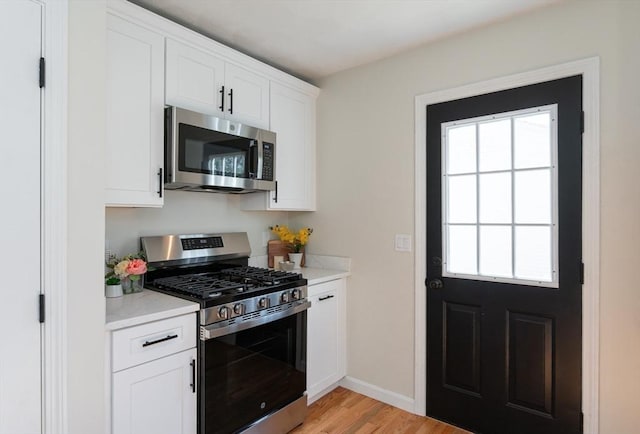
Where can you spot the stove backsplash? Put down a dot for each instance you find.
(186, 212)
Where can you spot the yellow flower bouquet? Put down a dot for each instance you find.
(295, 239)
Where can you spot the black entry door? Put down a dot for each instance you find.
(504, 260)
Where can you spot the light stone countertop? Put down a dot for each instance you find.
(146, 306)
(315, 276)
(318, 268)
(142, 307)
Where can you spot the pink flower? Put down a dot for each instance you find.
(136, 267)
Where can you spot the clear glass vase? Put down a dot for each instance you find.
(130, 286)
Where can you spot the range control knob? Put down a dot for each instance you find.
(295, 294)
(263, 303)
(223, 312)
(238, 308)
(284, 297)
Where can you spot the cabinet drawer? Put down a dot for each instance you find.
(320, 288)
(140, 344)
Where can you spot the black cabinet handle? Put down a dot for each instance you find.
(326, 298)
(168, 338)
(221, 107)
(160, 182)
(231, 101)
(193, 376)
(275, 197)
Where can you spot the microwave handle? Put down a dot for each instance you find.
(255, 156)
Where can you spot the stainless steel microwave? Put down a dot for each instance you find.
(205, 153)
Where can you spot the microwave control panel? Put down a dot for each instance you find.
(267, 161)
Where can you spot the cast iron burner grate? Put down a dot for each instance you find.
(262, 275)
(201, 285)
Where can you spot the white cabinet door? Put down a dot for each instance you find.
(247, 96)
(20, 368)
(200, 81)
(194, 79)
(293, 119)
(156, 397)
(135, 115)
(326, 337)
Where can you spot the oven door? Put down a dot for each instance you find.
(252, 372)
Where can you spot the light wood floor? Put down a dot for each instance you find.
(344, 411)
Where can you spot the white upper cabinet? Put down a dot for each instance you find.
(135, 114)
(293, 120)
(247, 96)
(194, 79)
(201, 81)
(152, 61)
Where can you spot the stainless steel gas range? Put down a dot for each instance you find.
(252, 328)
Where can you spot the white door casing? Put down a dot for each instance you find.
(20, 233)
(589, 69)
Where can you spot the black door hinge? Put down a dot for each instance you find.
(582, 122)
(41, 308)
(42, 72)
(582, 273)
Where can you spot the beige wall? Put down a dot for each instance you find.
(366, 182)
(85, 213)
(188, 212)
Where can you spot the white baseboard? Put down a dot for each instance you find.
(395, 399)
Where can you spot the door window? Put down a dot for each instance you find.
(500, 197)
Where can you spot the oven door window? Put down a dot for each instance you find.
(250, 374)
(213, 153)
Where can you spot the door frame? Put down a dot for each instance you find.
(590, 70)
(54, 216)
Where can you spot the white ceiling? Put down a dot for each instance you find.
(315, 38)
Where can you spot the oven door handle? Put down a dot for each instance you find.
(217, 330)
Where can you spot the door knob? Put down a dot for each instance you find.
(435, 284)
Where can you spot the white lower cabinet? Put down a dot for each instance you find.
(156, 397)
(153, 379)
(326, 337)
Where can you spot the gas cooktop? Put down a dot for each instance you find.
(211, 269)
(229, 282)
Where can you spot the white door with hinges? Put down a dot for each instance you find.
(20, 229)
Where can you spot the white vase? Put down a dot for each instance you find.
(296, 258)
(112, 291)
